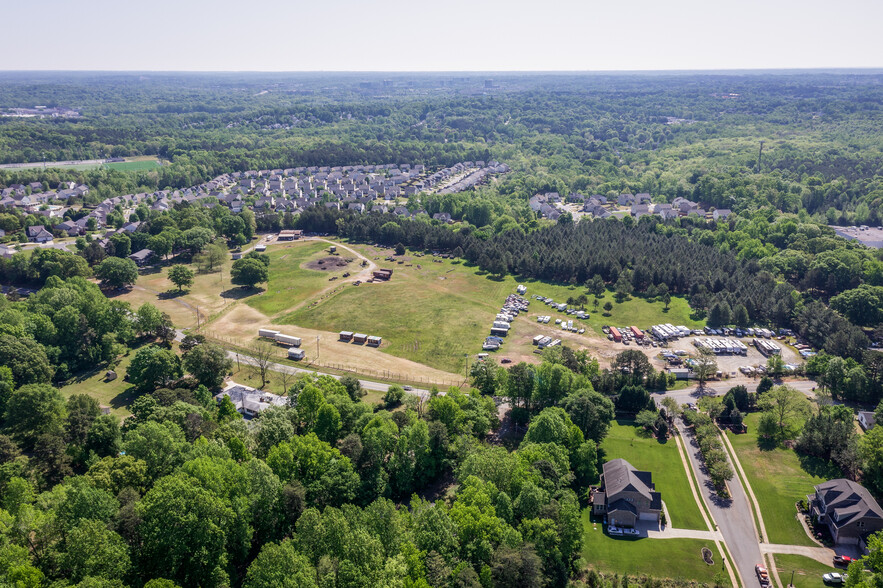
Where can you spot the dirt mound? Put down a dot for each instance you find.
(327, 264)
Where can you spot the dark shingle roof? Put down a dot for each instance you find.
(848, 500)
(621, 476)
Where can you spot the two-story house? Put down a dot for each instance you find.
(848, 510)
(626, 495)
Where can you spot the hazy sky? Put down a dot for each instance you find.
(414, 35)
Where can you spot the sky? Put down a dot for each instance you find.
(445, 35)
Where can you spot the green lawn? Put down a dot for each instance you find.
(779, 480)
(437, 312)
(116, 394)
(146, 165)
(664, 462)
(807, 571)
(679, 559)
(290, 283)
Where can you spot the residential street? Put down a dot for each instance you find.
(733, 515)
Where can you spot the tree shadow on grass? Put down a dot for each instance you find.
(171, 294)
(767, 443)
(149, 270)
(818, 467)
(240, 293)
(124, 398)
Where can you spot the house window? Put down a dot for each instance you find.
(861, 524)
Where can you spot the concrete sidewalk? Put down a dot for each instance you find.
(670, 533)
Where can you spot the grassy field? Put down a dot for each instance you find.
(663, 460)
(661, 558)
(290, 282)
(807, 571)
(210, 293)
(436, 312)
(140, 163)
(779, 479)
(146, 165)
(116, 394)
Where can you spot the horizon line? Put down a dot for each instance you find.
(862, 69)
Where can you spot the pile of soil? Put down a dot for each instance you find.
(327, 264)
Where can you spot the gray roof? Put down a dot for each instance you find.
(848, 500)
(621, 476)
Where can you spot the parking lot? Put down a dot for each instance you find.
(684, 347)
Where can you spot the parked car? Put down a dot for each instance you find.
(615, 531)
(834, 578)
(762, 575)
(842, 560)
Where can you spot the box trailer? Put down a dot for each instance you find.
(295, 353)
(346, 335)
(637, 332)
(269, 333)
(287, 340)
(616, 335)
(374, 341)
(360, 337)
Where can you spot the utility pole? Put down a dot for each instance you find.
(317, 347)
(238, 367)
(197, 318)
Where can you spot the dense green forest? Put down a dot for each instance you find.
(330, 490)
(696, 136)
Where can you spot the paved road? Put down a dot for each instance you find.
(732, 515)
(693, 393)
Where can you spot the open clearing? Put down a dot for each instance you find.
(291, 282)
(644, 452)
(117, 394)
(779, 480)
(211, 293)
(679, 559)
(435, 311)
(807, 571)
(432, 313)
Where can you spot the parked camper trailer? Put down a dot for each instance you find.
(295, 353)
(346, 335)
(374, 341)
(288, 340)
(268, 333)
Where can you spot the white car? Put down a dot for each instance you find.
(616, 531)
(835, 578)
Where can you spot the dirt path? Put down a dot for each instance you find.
(363, 275)
(240, 324)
